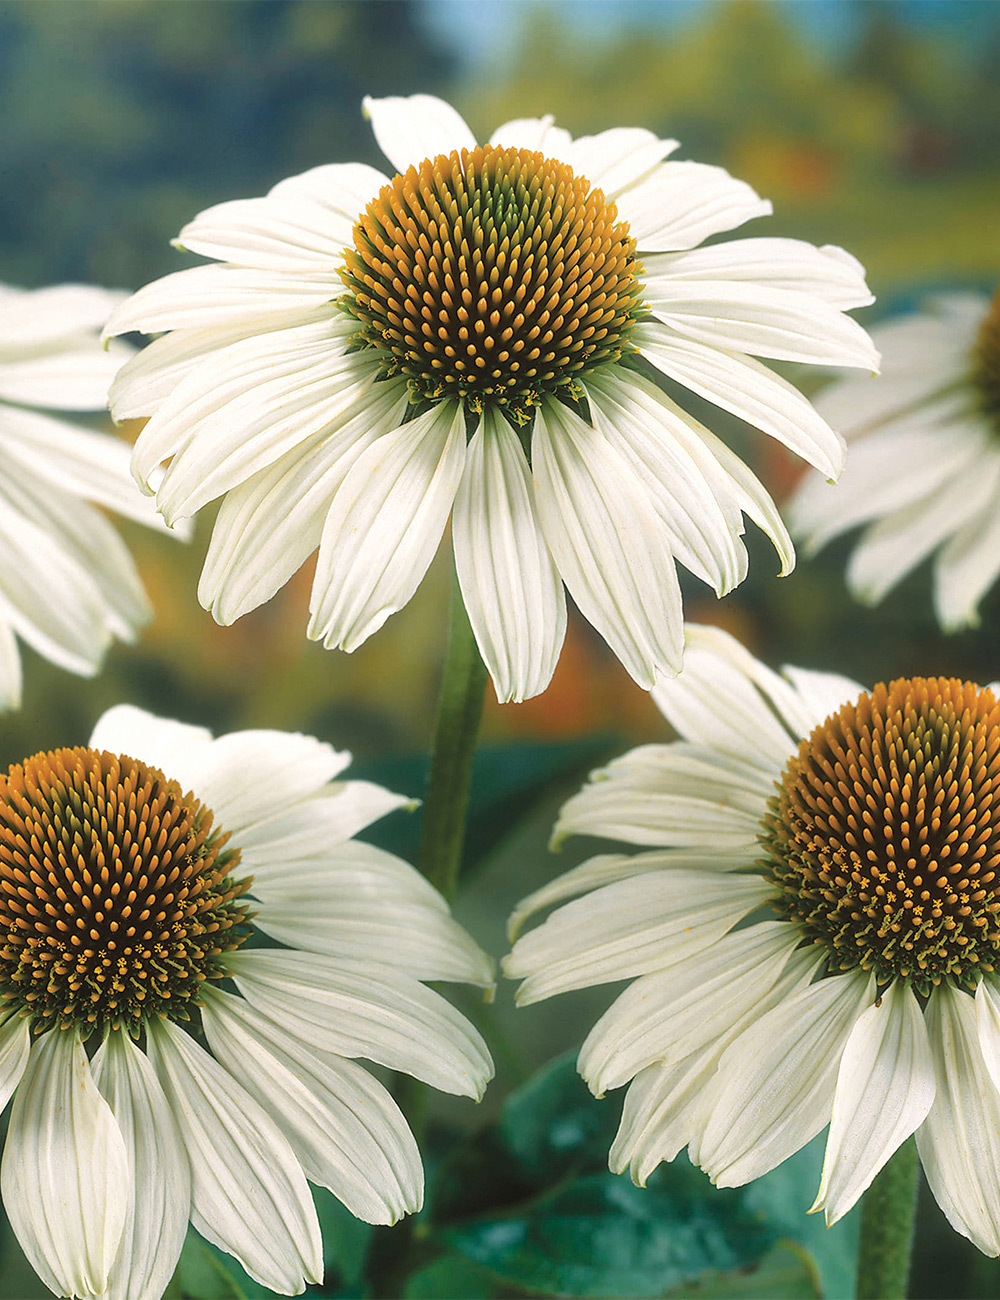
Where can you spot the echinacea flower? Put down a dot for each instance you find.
(68, 584)
(923, 475)
(812, 930)
(473, 337)
(145, 1095)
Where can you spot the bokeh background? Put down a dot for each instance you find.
(872, 125)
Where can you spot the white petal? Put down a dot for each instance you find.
(268, 525)
(631, 927)
(281, 874)
(822, 693)
(35, 317)
(679, 799)
(959, 1141)
(245, 407)
(692, 496)
(969, 564)
(249, 1195)
(988, 1020)
(223, 297)
(311, 828)
(343, 920)
(665, 1103)
(65, 1175)
(534, 133)
(15, 1039)
(414, 127)
(343, 189)
(775, 1085)
(670, 1014)
(766, 322)
(344, 1127)
(76, 377)
(247, 776)
(384, 526)
(610, 546)
(608, 867)
(273, 233)
(829, 273)
(618, 158)
(158, 1171)
(174, 747)
(512, 592)
(366, 1009)
(681, 203)
(884, 1090)
(725, 696)
(10, 667)
(749, 390)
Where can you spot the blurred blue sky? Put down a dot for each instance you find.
(485, 33)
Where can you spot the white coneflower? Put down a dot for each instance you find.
(924, 470)
(125, 872)
(68, 584)
(866, 996)
(467, 338)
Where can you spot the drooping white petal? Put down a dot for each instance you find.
(631, 927)
(269, 524)
(249, 1195)
(725, 694)
(342, 189)
(686, 487)
(775, 1084)
(668, 1015)
(679, 204)
(15, 1039)
(665, 1104)
(158, 1171)
(988, 1021)
(885, 1088)
(10, 667)
(766, 322)
(608, 867)
(245, 407)
(822, 693)
(272, 233)
(748, 389)
(246, 776)
(615, 159)
(609, 545)
(680, 799)
(74, 377)
(346, 1130)
(363, 1009)
(282, 874)
(968, 566)
(384, 525)
(959, 1141)
(512, 592)
(65, 1175)
(829, 273)
(411, 128)
(41, 317)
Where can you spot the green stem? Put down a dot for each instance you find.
(887, 1212)
(460, 707)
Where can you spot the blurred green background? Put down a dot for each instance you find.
(871, 125)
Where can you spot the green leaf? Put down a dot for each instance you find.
(602, 1236)
(784, 1273)
(450, 1277)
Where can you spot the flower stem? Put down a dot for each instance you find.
(460, 707)
(887, 1213)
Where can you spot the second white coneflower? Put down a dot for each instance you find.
(812, 931)
(468, 338)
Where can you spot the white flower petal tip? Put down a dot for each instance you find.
(70, 586)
